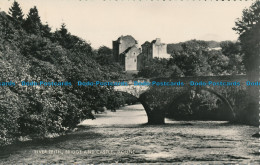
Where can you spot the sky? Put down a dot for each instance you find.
(99, 22)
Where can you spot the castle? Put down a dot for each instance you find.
(133, 58)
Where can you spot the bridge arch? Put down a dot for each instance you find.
(158, 117)
(225, 101)
(153, 113)
(197, 90)
(141, 100)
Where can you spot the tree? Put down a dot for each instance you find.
(250, 17)
(192, 58)
(248, 28)
(104, 56)
(63, 30)
(219, 63)
(160, 68)
(7, 30)
(60, 35)
(69, 41)
(232, 50)
(16, 12)
(103, 50)
(33, 23)
(46, 30)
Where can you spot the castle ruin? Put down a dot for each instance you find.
(127, 52)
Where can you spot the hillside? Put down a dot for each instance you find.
(30, 52)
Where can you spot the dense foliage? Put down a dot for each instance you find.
(248, 28)
(29, 51)
(197, 58)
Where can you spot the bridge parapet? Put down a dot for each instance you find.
(131, 81)
(186, 80)
(138, 86)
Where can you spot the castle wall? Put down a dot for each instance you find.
(147, 51)
(120, 47)
(140, 61)
(160, 51)
(115, 50)
(131, 59)
(125, 43)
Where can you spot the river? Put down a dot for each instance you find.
(124, 137)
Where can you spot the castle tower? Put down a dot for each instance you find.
(154, 49)
(125, 51)
(159, 49)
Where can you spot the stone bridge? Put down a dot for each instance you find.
(152, 91)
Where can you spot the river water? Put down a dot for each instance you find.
(124, 137)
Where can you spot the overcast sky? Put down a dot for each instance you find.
(100, 22)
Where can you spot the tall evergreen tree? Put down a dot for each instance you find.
(61, 35)
(33, 22)
(16, 12)
(63, 30)
(46, 30)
